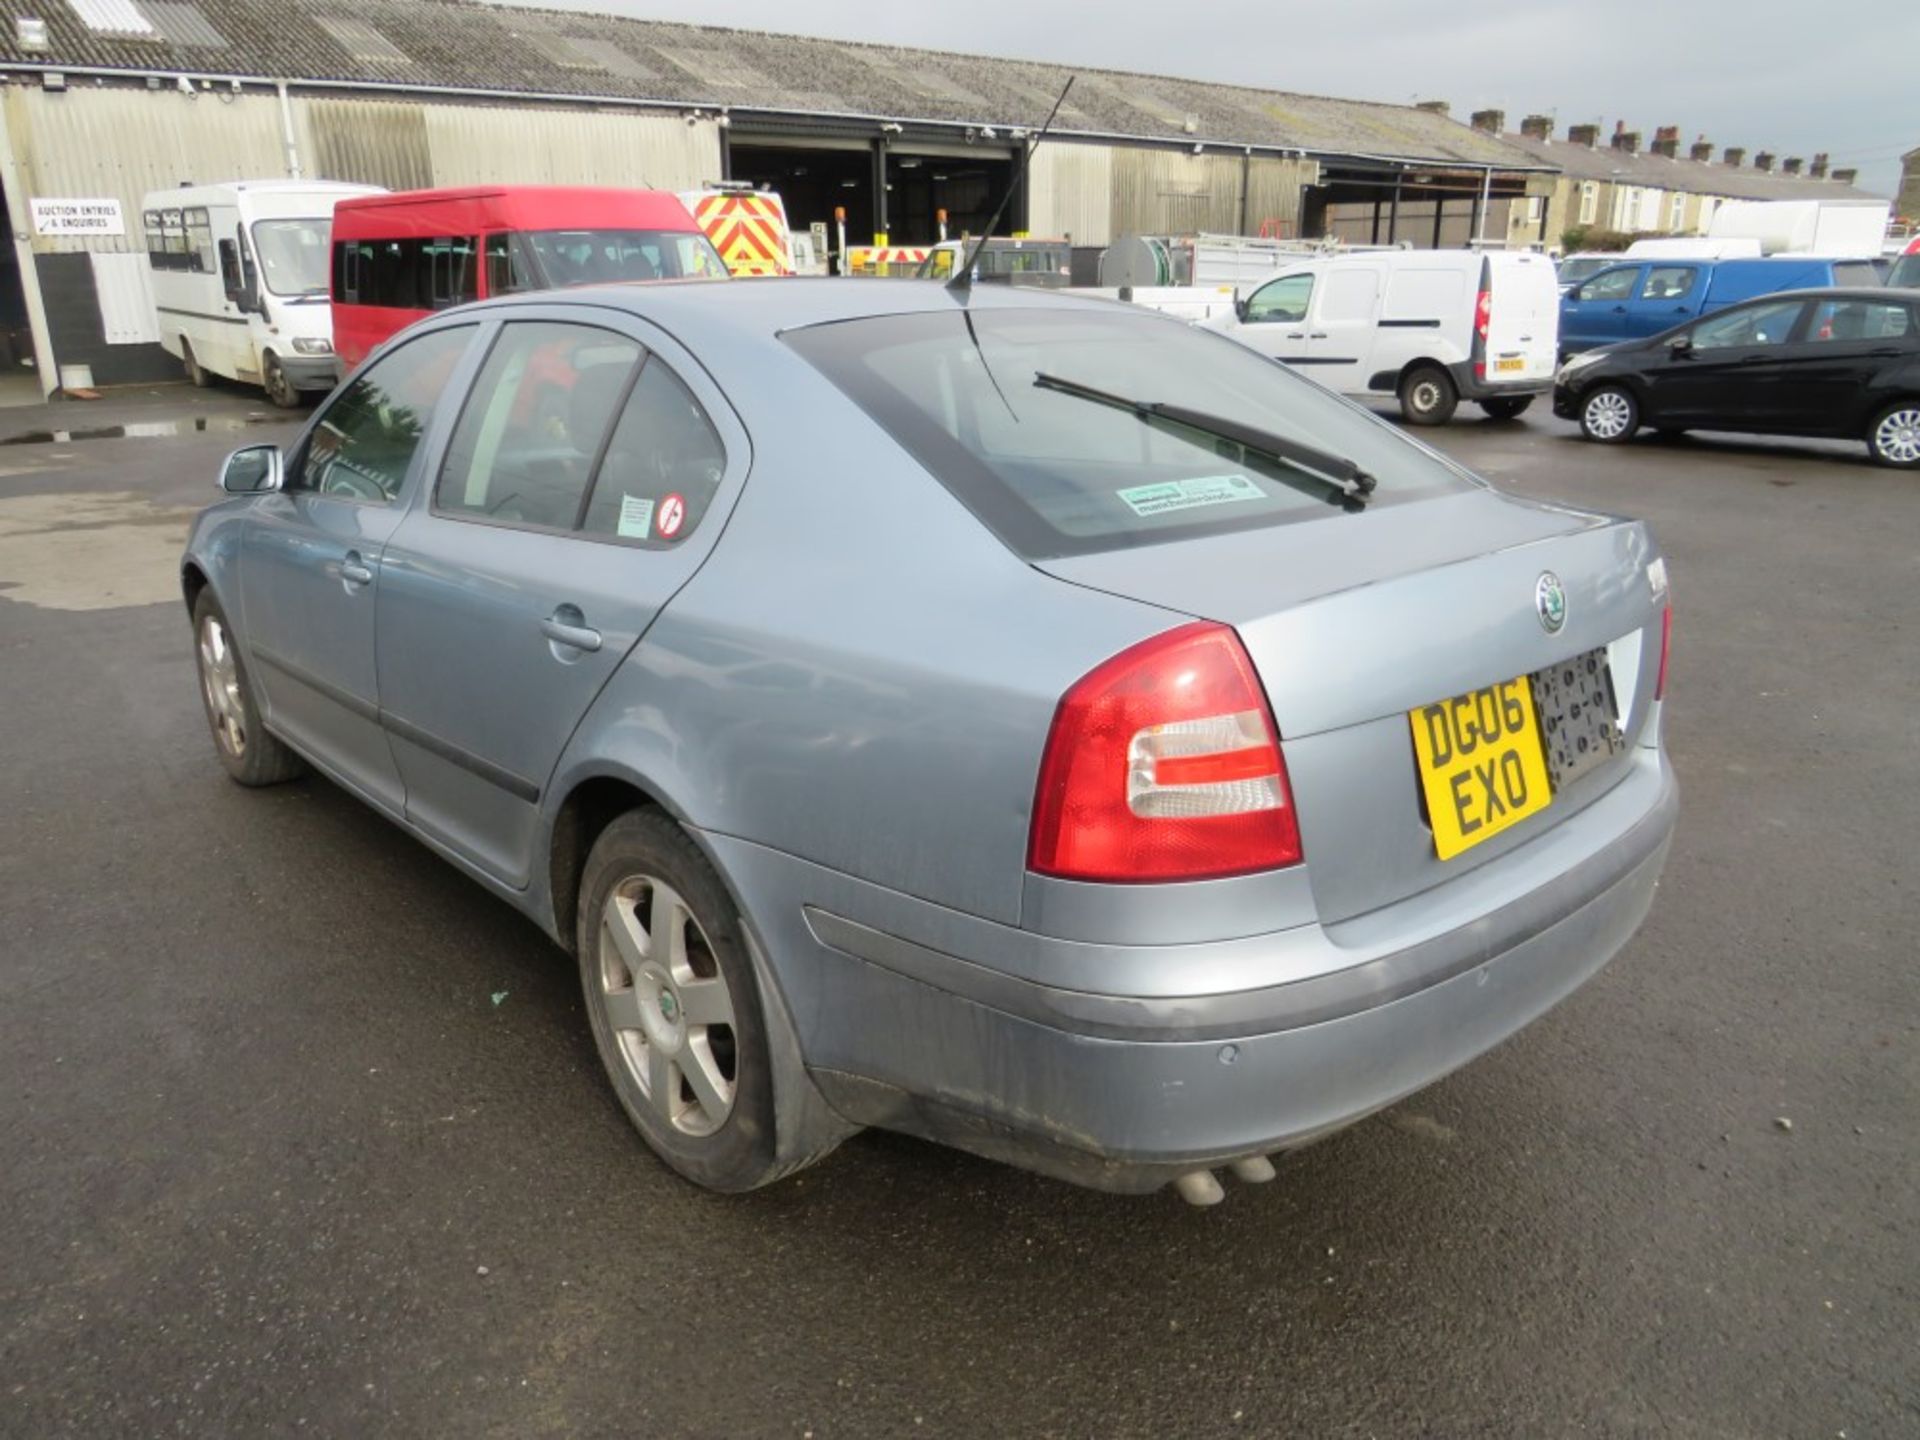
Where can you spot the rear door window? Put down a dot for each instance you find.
(1843, 320)
(1059, 474)
(534, 424)
(662, 466)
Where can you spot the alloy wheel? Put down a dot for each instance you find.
(1897, 436)
(667, 1003)
(1608, 415)
(220, 680)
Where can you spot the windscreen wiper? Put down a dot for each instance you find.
(1349, 484)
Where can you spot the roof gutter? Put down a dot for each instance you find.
(472, 92)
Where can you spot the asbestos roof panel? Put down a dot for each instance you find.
(182, 23)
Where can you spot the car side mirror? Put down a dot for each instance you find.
(255, 470)
(1681, 348)
(1239, 309)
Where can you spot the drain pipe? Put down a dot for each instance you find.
(20, 223)
(286, 131)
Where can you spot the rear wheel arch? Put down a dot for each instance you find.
(593, 803)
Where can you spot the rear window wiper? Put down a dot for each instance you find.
(1348, 483)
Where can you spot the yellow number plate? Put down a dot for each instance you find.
(1517, 364)
(1482, 765)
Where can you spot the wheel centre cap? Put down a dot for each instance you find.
(669, 1007)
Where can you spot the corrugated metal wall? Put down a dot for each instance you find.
(1072, 192)
(370, 142)
(472, 145)
(91, 142)
(1167, 192)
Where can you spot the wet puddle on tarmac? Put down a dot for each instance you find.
(146, 429)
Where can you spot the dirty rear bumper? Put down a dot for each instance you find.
(1126, 1093)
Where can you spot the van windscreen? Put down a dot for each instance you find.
(598, 257)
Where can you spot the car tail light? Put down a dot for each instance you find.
(1666, 644)
(1163, 764)
(1482, 314)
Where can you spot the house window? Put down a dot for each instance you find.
(1589, 201)
(1677, 213)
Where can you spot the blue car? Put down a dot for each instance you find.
(1638, 298)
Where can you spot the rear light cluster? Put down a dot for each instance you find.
(1163, 764)
(1482, 319)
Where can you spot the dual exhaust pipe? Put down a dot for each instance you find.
(1202, 1187)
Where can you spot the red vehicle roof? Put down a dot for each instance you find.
(508, 207)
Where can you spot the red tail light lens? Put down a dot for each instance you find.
(1666, 643)
(1482, 314)
(1163, 764)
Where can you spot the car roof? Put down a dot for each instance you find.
(771, 304)
(1841, 292)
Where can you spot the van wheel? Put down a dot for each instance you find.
(1427, 396)
(674, 1002)
(200, 378)
(1610, 415)
(1506, 407)
(274, 381)
(1894, 436)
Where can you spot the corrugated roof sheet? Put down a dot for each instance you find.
(465, 45)
(1694, 177)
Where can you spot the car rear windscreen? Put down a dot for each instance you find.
(1054, 474)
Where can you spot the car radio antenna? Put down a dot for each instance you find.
(962, 280)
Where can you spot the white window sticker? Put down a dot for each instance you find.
(1189, 494)
(636, 517)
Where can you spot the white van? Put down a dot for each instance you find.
(1429, 326)
(240, 280)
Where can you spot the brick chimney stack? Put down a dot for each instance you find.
(1666, 141)
(1845, 176)
(1437, 107)
(1791, 165)
(1818, 169)
(1625, 140)
(1702, 150)
(1735, 154)
(1537, 127)
(1587, 135)
(1763, 161)
(1491, 121)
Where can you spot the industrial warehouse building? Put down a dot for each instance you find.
(105, 100)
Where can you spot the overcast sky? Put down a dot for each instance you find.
(1792, 76)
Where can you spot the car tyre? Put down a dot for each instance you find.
(1506, 407)
(1893, 436)
(1428, 396)
(1609, 414)
(280, 390)
(673, 999)
(196, 373)
(251, 755)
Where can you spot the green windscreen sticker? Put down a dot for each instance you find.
(1172, 495)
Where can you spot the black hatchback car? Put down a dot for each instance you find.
(1840, 363)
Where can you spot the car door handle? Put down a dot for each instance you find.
(566, 626)
(1318, 335)
(354, 570)
(1619, 309)
(1296, 335)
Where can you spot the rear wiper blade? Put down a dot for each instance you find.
(1351, 485)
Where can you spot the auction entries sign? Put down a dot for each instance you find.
(76, 217)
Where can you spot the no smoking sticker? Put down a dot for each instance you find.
(671, 516)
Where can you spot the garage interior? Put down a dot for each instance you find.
(816, 173)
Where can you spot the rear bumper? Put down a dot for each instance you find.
(1473, 388)
(1126, 1093)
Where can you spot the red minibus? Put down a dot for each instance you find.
(399, 257)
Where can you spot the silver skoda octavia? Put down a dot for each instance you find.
(1017, 720)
